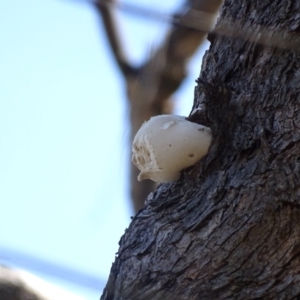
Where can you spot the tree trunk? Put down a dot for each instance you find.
(230, 227)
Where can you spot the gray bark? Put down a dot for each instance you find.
(230, 227)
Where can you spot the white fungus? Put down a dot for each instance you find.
(167, 144)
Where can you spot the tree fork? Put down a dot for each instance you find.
(230, 227)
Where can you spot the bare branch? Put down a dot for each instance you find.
(162, 74)
(106, 12)
(150, 87)
(259, 34)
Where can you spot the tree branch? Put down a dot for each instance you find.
(105, 9)
(150, 87)
(162, 74)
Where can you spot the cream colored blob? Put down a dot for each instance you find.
(167, 144)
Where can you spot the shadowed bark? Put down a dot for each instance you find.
(230, 227)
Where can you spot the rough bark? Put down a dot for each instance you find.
(230, 227)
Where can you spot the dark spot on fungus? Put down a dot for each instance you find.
(169, 145)
(191, 155)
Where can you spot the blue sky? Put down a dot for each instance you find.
(63, 132)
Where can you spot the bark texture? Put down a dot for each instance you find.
(230, 227)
